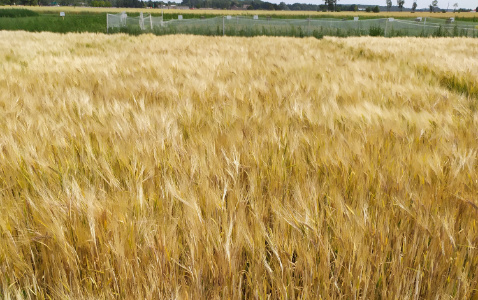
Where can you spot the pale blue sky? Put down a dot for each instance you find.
(408, 3)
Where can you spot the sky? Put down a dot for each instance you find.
(408, 3)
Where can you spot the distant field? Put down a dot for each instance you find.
(49, 21)
(227, 168)
(255, 12)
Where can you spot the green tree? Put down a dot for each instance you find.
(283, 6)
(455, 7)
(331, 4)
(400, 4)
(376, 9)
(389, 5)
(414, 6)
(28, 2)
(434, 5)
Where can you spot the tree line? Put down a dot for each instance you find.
(329, 5)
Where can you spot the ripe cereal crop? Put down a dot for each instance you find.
(226, 168)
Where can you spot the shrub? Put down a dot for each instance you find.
(376, 31)
(100, 3)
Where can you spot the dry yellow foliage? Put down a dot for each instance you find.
(210, 167)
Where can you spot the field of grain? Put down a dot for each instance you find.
(305, 14)
(211, 168)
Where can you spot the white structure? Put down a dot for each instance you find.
(122, 20)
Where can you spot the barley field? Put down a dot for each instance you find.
(227, 168)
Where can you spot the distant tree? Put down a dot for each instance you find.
(28, 2)
(400, 4)
(414, 6)
(389, 5)
(331, 5)
(455, 7)
(435, 5)
(368, 9)
(376, 9)
(431, 8)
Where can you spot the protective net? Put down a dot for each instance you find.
(142, 22)
(252, 26)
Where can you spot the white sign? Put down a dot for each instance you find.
(180, 17)
(256, 17)
(62, 14)
(356, 18)
(391, 19)
(228, 17)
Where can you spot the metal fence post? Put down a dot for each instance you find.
(308, 26)
(386, 25)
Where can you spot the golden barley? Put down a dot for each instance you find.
(210, 167)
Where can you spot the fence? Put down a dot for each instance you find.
(142, 22)
(253, 26)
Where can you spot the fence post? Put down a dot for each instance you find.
(386, 25)
(308, 26)
(223, 28)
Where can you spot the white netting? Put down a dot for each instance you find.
(249, 26)
(142, 22)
